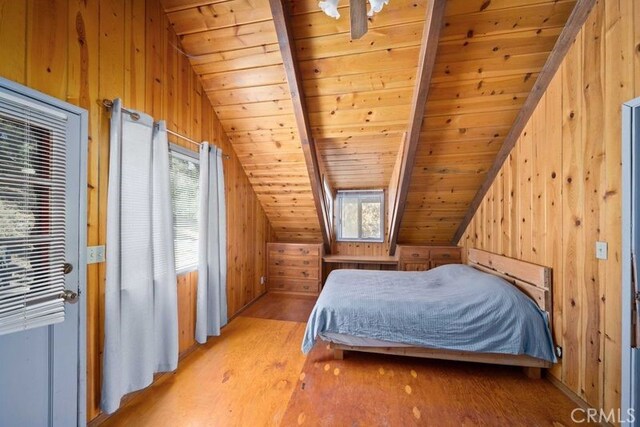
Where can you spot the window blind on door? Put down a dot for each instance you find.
(32, 214)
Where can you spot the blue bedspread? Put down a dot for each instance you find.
(454, 307)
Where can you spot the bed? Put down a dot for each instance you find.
(491, 310)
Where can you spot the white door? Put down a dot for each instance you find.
(630, 262)
(42, 237)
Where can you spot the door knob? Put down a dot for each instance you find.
(69, 296)
(68, 268)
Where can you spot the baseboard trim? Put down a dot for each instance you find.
(571, 394)
(158, 378)
(247, 305)
(567, 391)
(131, 397)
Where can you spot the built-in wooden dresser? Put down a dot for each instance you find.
(359, 262)
(423, 258)
(294, 268)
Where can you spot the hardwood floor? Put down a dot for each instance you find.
(370, 389)
(256, 375)
(295, 308)
(242, 378)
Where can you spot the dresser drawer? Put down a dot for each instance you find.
(421, 258)
(294, 267)
(293, 261)
(278, 284)
(276, 249)
(438, 263)
(414, 266)
(445, 254)
(295, 272)
(408, 253)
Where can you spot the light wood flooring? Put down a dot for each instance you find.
(256, 375)
(294, 308)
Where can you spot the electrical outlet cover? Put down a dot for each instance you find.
(100, 253)
(95, 254)
(601, 250)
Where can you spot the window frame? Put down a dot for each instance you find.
(191, 156)
(361, 194)
(328, 195)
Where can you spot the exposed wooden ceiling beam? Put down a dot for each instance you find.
(430, 36)
(565, 40)
(294, 78)
(359, 21)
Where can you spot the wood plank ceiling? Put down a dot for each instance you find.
(489, 56)
(233, 46)
(359, 93)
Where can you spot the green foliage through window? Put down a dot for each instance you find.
(360, 215)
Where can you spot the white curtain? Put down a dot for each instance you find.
(141, 308)
(211, 312)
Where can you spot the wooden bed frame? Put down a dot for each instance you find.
(532, 279)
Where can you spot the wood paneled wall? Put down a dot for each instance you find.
(360, 248)
(559, 193)
(490, 54)
(83, 51)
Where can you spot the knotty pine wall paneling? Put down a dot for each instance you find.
(489, 57)
(83, 51)
(559, 192)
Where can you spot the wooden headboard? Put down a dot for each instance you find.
(532, 279)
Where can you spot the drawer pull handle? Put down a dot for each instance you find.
(415, 255)
(305, 287)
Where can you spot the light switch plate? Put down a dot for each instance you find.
(601, 250)
(95, 254)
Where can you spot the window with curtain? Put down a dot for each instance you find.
(360, 216)
(185, 199)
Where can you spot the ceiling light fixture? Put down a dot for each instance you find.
(330, 8)
(376, 6)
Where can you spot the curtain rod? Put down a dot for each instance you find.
(108, 104)
(224, 156)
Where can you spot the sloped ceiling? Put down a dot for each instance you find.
(489, 56)
(359, 94)
(233, 46)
